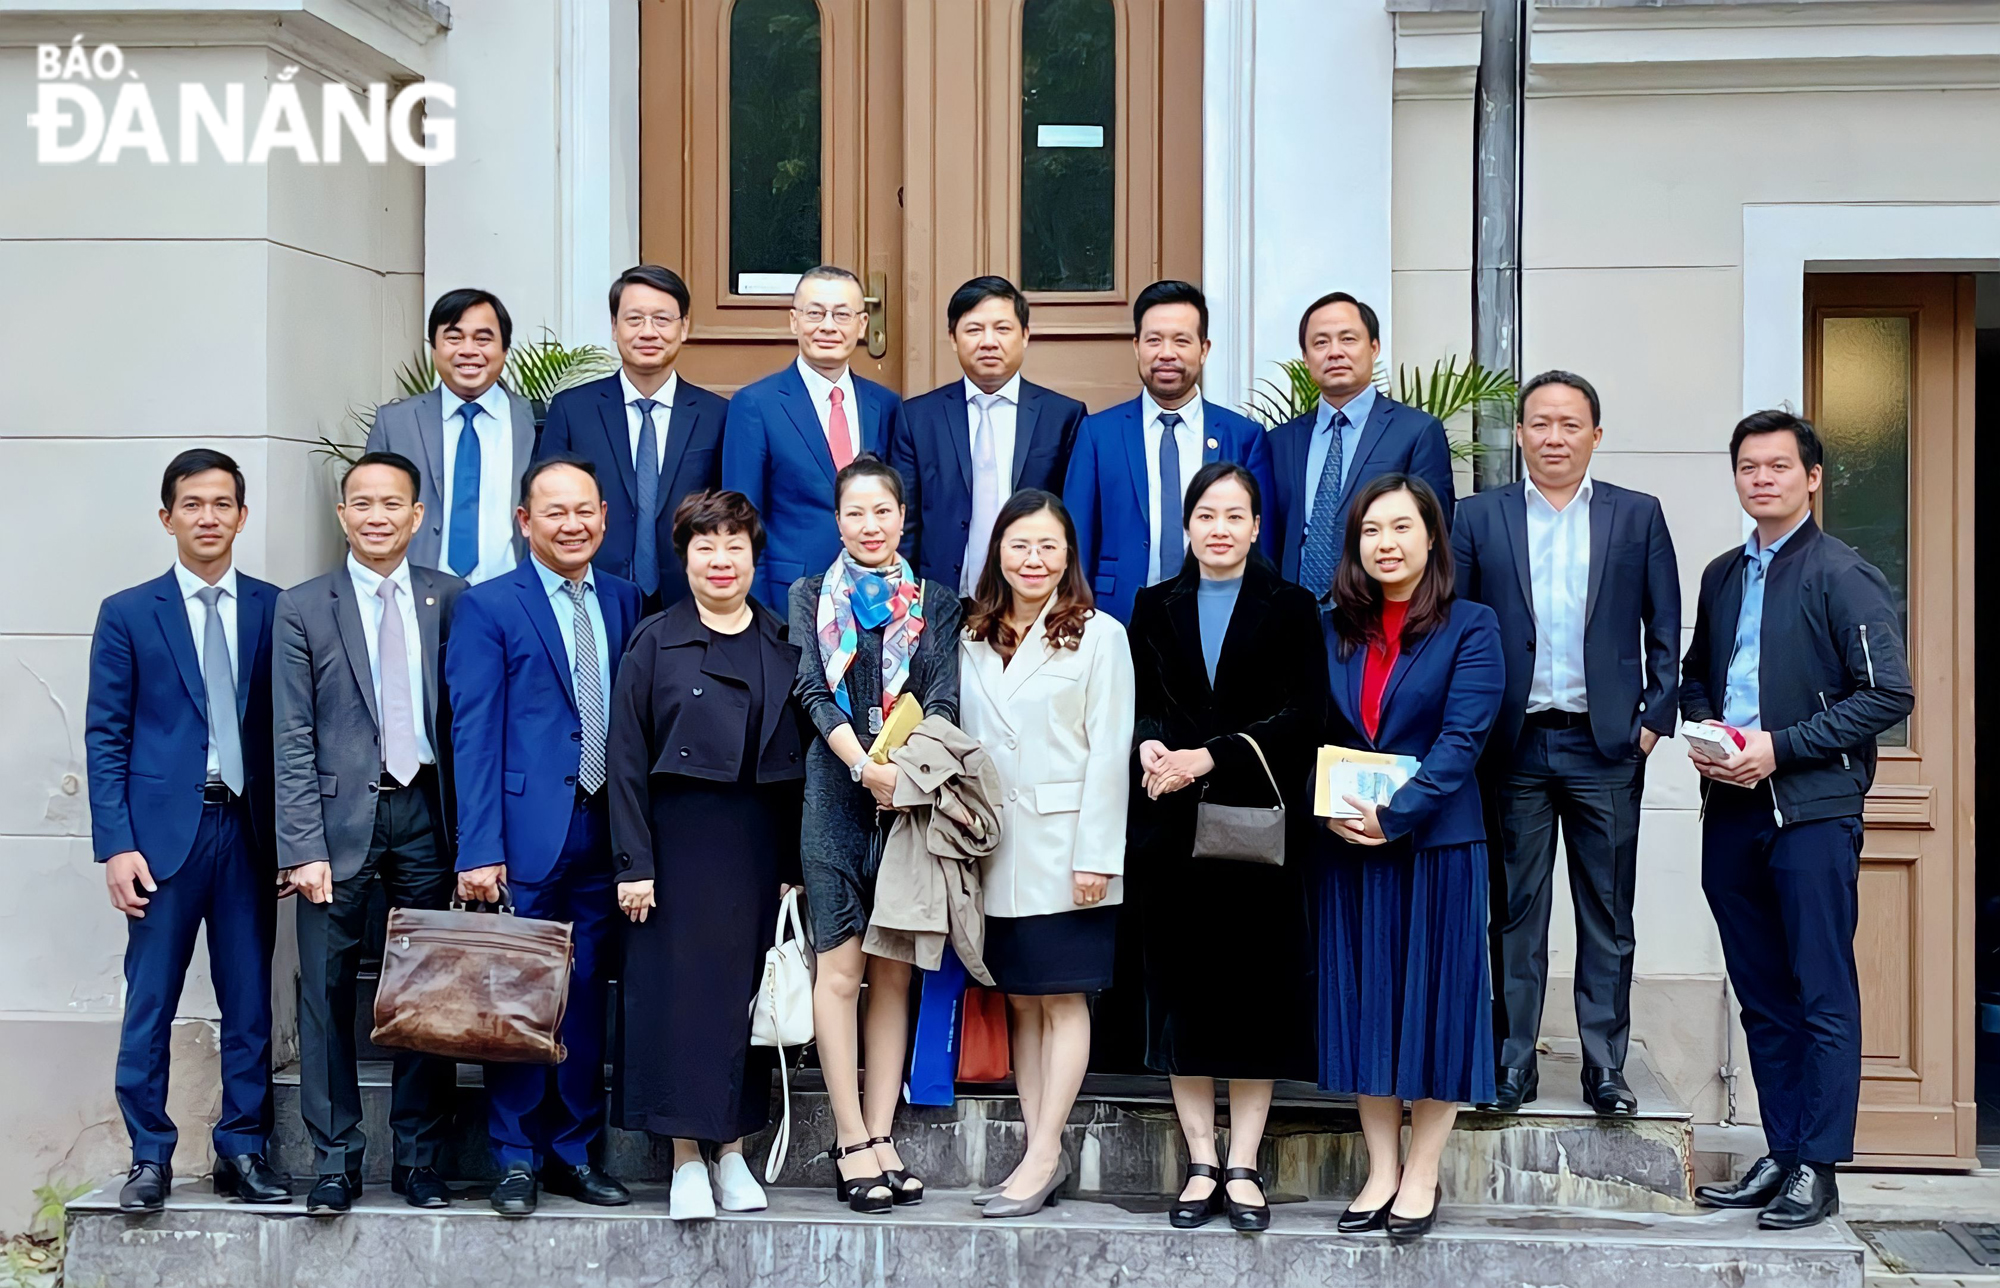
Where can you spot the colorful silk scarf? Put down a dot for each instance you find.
(853, 599)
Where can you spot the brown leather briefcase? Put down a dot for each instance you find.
(474, 986)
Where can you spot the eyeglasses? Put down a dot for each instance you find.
(815, 316)
(638, 321)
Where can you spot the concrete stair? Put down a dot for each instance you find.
(1123, 1141)
(806, 1238)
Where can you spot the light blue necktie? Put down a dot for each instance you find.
(219, 678)
(465, 497)
(1322, 548)
(646, 469)
(1169, 517)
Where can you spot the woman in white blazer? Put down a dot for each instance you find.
(1046, 686)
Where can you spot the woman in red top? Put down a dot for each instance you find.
(1404, 1006)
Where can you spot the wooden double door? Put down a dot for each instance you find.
(921, 143)
(1890, 362)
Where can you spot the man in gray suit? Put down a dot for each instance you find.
(470, 438)
(362, 801)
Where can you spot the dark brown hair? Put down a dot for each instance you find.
(714, 511)
(986, 612)
(1357, 597)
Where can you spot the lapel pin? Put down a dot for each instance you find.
(1212, 444)
(429, 600)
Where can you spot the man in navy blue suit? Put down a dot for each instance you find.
(532, 659)
(1356, 433)
(788, 434)
(1132, 463)
(1581, 574)
(965, 447)
(658, 435)
(178, 732)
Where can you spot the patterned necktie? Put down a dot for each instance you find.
(1322, 548)
(1168, 520)
(987, 489)
(589, 694)
(838, 440)
(646, 469)
(392, 655)
(465, 497)
(219, 678)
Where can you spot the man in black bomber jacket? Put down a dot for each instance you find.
(1798, 646)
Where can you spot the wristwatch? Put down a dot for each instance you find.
(854, 770)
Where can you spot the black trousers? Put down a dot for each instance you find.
(1785, 902)
(408, 857)
(1558, 776)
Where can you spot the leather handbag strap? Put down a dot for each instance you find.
(1267, 768)
(781, 1141)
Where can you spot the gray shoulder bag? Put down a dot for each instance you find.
(1246, 833)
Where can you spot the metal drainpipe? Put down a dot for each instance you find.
(1499, 126)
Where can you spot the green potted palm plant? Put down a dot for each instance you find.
(1446, 392)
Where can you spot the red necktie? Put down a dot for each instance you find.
(838, 440)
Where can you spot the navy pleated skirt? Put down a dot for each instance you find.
(1405, 1004)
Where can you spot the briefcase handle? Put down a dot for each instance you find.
(504, 906)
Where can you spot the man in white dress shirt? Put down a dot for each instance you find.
(361, 805)
(471, 440)
(788, 434)
(968, 445)
(1581, 574)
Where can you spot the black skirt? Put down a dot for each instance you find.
(1057, 952)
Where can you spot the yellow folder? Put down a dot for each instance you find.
(1327, 803)
(905, 716)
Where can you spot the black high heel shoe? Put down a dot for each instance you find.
(859, 1192)
(1358, 1221)
(900, 1178)
(1250, 1218)
(1192, 1214)
(1408, 1229)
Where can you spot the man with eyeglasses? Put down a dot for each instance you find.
(791, 432)
(657, 435)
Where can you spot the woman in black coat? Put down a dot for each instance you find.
(1226, 653)
(706, 768)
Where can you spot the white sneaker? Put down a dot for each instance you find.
(690, 1199)
(739, 1189)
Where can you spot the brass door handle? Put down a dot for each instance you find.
(875, 301)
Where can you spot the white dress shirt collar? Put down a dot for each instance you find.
(553, 581)
(819, 386)
(664, 395)
(1009, 393)
(369, 582)
(192, 585)
(493, 402)
(1189, 411)
(1582, 497)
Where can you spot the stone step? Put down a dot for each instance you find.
(1123, 1140)
(806, 1238)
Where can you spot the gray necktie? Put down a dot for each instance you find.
(589, 694)
(987, 490)
(399, 731)
(220, 679)
(1169, 517)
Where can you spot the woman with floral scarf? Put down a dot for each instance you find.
(869, 631)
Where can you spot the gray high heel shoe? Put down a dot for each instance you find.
(1002, 1206)
(986, 1196)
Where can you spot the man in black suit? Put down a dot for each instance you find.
(965, 447)
(1582, 576)
(1322, 459)
(657, 435)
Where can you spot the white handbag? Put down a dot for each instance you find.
(781, 1015)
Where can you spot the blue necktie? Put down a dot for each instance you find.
(465, 497)
(646, 469)
(1322, 548)
(1169, 517)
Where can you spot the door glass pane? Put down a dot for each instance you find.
(1864, 422)
(774, 144)
(1068, 110)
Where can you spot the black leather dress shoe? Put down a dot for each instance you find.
(1515, 1087)
(1247, 1218)
(585, 1184)
(145, 1188)
(421, 1187)
(1604, 1090)
(334, 1194)
(249, 1179)
(1807, 1197)
(1758, 1187)
(516, 1193)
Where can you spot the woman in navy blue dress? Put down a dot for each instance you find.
(1404, 1008)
